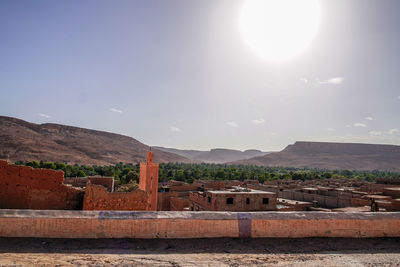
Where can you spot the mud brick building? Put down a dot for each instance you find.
(23, 187)
(236, 199)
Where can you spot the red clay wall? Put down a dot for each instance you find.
(394, 192)
(97, 198)
(107, 182)
(126, 224)
(373, 188)
(164, 199)
(178, 203)
(360, 202)
(23, 187)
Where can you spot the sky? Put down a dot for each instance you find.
(180, 73)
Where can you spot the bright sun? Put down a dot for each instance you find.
(278, 30)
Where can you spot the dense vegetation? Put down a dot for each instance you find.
(124, 173)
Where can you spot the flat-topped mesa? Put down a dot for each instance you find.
(149, 180)
(304, 147)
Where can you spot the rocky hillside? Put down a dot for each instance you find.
(21, 140)
(332, 156)
(217, 155)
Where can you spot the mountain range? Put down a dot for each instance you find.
(325, 155)
(216, 155)
(25, 141)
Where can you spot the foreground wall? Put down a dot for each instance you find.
(127, 224)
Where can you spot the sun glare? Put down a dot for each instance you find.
(278, 30)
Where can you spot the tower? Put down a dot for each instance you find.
(149, 180)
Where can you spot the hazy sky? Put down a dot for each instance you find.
(180, 74)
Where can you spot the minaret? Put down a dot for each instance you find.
(149, 180)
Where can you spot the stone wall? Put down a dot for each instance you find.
(22, 187)
(97, 198)
(127, 224)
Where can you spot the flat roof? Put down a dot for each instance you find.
(239, 192)
(293, 202)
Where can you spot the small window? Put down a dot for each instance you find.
(247, 201)
(265, 200)
(209, 199)
(229, 200)
(166, 189)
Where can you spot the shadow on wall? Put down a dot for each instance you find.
(203, 245)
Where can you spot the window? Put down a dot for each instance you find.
(229, 200)
(247, 201)
(265, 200)
(209, 199)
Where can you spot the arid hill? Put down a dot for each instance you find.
(217, 155)
(332, 156)
(21, 140)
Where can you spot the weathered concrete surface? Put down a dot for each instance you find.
(136, 224)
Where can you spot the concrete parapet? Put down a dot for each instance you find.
(150, 224)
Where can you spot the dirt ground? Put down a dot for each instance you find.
(200, 252)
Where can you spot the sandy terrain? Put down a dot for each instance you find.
(200, 252)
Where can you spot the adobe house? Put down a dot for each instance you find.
(236, 199)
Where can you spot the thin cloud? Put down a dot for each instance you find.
(385, 133)
(304, 80)
(231, 124)
(258, 121)
(44, 115)
(115, 110)
(375, 133)
(329, 129)
(398, 97)
(393, 131)
(348, 126)
(359, 124)
(369, 118)
(335, 81)
(175, 129)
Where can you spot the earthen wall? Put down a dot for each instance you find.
(22, 187)
(394, 192)
(97, 198)
(107, 182)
